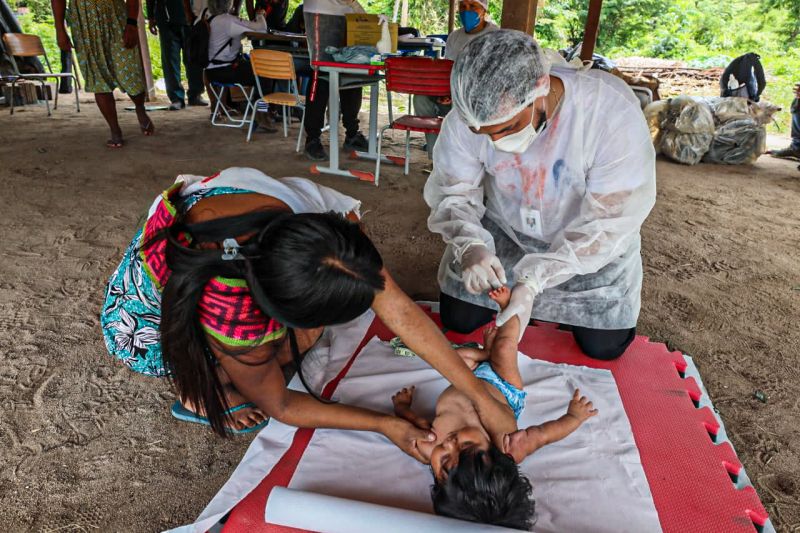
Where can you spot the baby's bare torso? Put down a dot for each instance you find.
(454, 411)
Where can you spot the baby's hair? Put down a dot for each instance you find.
(485, 487)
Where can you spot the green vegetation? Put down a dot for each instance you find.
(705, 33)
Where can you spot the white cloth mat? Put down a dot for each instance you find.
(590, 481)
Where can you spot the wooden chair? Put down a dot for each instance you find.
(277, 66)
(26, 45)
(414, 75)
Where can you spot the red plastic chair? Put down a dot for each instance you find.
(414, 75)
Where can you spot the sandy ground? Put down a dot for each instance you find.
(87, 445)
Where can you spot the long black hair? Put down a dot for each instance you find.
(486, 487)
(304, 270)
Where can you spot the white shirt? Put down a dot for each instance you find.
(457, 40)
(228, 27)
(571, 205)
(332, 7)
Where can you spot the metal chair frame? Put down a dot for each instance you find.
(218, 89)
(18, 50)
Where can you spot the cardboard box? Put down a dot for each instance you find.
(364, 30)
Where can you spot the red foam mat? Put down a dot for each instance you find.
(689, 475)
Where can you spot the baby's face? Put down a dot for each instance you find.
(443, 453)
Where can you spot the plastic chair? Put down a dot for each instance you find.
(414, 75)
(276, 65)
(26, 45)
(218, 89)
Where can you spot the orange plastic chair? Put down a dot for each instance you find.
(277, 66)
(26, 45)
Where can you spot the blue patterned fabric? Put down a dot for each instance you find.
(131, 314)
(514, 396)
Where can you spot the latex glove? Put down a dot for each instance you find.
(521, 306)
(481, 270)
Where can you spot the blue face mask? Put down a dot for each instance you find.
(469, 19)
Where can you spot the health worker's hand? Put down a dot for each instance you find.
(521, 306)
(481, 270)
(405, 436)
(151, 23)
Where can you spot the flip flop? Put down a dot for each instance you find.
(148, 129)
(182, 413)
(114, 144)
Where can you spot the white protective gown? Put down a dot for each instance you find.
(564, 216)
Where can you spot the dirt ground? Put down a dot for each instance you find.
(87, 445)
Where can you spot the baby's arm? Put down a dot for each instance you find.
(402, 408)
(521, 444)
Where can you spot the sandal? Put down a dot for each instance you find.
(115, 142)
(182, 413)
(148, 129)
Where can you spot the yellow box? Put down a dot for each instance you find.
(363, 29)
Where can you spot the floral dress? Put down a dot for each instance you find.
(97, 27)
(131, 314)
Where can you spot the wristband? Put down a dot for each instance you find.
(132, 22)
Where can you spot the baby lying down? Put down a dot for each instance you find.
(474, 479)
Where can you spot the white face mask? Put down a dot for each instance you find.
(517, 143)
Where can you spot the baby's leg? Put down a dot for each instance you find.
(503, 352)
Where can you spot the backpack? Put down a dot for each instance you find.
(197, 43)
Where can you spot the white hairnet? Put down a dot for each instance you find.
(495, 77)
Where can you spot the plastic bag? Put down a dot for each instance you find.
(687, 130)
(352, 54)
(737, 142)
(654, 114)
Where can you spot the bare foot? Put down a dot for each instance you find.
(116, 139)
(145, 124)
(472, 356)
(239, 420)
(501, 296)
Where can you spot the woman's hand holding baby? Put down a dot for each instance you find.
(406, 436)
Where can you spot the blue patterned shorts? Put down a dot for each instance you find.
(514, 396)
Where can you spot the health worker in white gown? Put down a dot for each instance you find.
(542, 179)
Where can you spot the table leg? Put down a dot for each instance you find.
(333, 120)
(373, 119)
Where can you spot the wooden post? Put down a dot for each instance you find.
(519, 15)
(396, 10)
(451, 17)
(404, 13)
(591, 30)
(145, 51)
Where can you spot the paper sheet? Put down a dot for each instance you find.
(591, 481)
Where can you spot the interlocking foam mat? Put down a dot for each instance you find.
(695, 478)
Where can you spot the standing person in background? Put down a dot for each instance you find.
(167, 19)
(326, 25)
(107, 46)
(472, 14)
(744, 77)
(793, 150)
